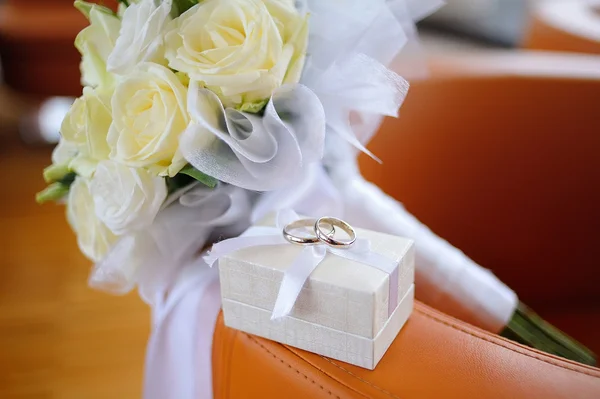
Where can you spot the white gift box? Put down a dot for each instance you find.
(343, 311)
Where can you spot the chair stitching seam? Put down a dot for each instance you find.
(361, 379)
(505, 347)
(293, 368)
(228, 385)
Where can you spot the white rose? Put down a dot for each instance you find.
(240, 49)
(149, 115)
(84, 131)
(93, 237)
(126, 199)
(95, 43)
(141, 37)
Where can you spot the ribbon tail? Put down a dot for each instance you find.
(294, 278)
(231, 245)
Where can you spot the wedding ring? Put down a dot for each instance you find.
(329, 239)
(299, 240)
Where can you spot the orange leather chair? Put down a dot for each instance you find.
(500, 155)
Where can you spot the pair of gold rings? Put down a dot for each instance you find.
(324, 230)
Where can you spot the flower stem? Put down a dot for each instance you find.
(527, 328)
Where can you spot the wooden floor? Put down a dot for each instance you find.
(58, 338)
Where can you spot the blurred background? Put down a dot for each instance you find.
(496, 150)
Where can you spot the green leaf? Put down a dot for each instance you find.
(527, 328)
(60, 178)
(181, 6)
(203, 178)
(255, 107)
(53, 192)
(68, 179)
(86, 8)
(54, 173)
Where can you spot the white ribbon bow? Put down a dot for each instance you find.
(307, 261)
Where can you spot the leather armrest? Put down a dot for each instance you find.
(434, 356)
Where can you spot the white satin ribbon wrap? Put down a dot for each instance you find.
(179, 354)
(310, 257)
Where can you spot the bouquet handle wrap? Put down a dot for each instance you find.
(446, 278)
(179, 353)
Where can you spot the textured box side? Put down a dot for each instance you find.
(389, 332)
(246, 281)
(406, 279)
(339, 345)
(253, 277)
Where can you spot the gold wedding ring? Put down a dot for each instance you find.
(329, 238)
(298, 240)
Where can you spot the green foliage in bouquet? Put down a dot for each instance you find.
(527, 328)
(181, 6)
(203, 178)
(59, 179)
(189, 175)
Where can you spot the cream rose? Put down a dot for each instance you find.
(126, 199)
(96, 42)
(93, 237)
(240, 49)
(84, 131)
(149, 114)
(141, 36)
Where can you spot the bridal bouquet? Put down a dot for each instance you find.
(185, 100)
(200, 116)
(176, 94)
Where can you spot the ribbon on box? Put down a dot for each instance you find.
(307, 261)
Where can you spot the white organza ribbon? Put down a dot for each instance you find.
(351, 48)
(250, 151)
(307, 261)
(151, 258)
